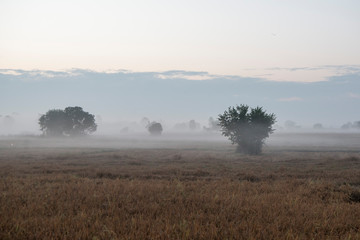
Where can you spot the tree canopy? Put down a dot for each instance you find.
(247, 129)
(155, 128)
(73, 121)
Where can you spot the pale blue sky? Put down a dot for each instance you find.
(247, 38)
(172, 98)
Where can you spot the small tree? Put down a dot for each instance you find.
(318, 126)
(247, 129)
(72, 121)
(192, 124)
(155, 128)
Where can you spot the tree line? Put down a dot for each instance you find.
(244, 126)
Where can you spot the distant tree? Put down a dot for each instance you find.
(192, 125)
(124, 130)
(351, 125)
(347, 125)
(247, 129)
(155, 128)
(8, 121)
(318, 126)
(145, 121)
(213, 125)
(72, 121)
(291, 125)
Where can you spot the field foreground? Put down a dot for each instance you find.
(178, 193)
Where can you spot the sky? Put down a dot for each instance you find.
(164, 59)
(261, 38)
(123, 98)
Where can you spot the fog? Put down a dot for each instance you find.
(19, 124)
(312, 114)
(18, 130)
(23, 132)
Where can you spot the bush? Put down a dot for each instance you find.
(155, 128)
(247, 129)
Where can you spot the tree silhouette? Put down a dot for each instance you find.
(53, 123)
(155, 128)
(247, 129)
(72, 121)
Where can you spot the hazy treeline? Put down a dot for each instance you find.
(18, 124)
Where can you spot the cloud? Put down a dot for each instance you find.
(290, 99)
(10, 72)
(40, 75)
(185, 75)
(53, 74)
(296, 74)
(340, 69)
(307, 74)
(354, 95)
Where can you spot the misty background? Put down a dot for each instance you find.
(180, 61)
(121, 99)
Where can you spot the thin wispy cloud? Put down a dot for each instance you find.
(10, 72)
(354, 95)
(302, 74)
(185, 75)
(307, 73)
(188, 77)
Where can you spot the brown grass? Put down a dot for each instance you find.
(79, 193)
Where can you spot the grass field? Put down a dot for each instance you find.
(171, 189)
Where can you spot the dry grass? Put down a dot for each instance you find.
(80, 193)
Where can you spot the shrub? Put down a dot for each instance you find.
(247, 129)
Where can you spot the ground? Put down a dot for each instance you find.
(112, 188)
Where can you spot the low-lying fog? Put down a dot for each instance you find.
(17, 124)
(281, 140)
(314, 114)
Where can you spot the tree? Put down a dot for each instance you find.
(53, 123)
(347, 125)
(350, 125)
(72, 121)
(155, 128)
(247, 129)
(318, 126)
(192, 124)
(291, 125)
(145, 121)
(213, 125)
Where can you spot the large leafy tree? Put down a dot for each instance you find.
(53, 123)
(248, 128)
(73, 121)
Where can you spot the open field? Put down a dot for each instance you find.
(302, 187)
